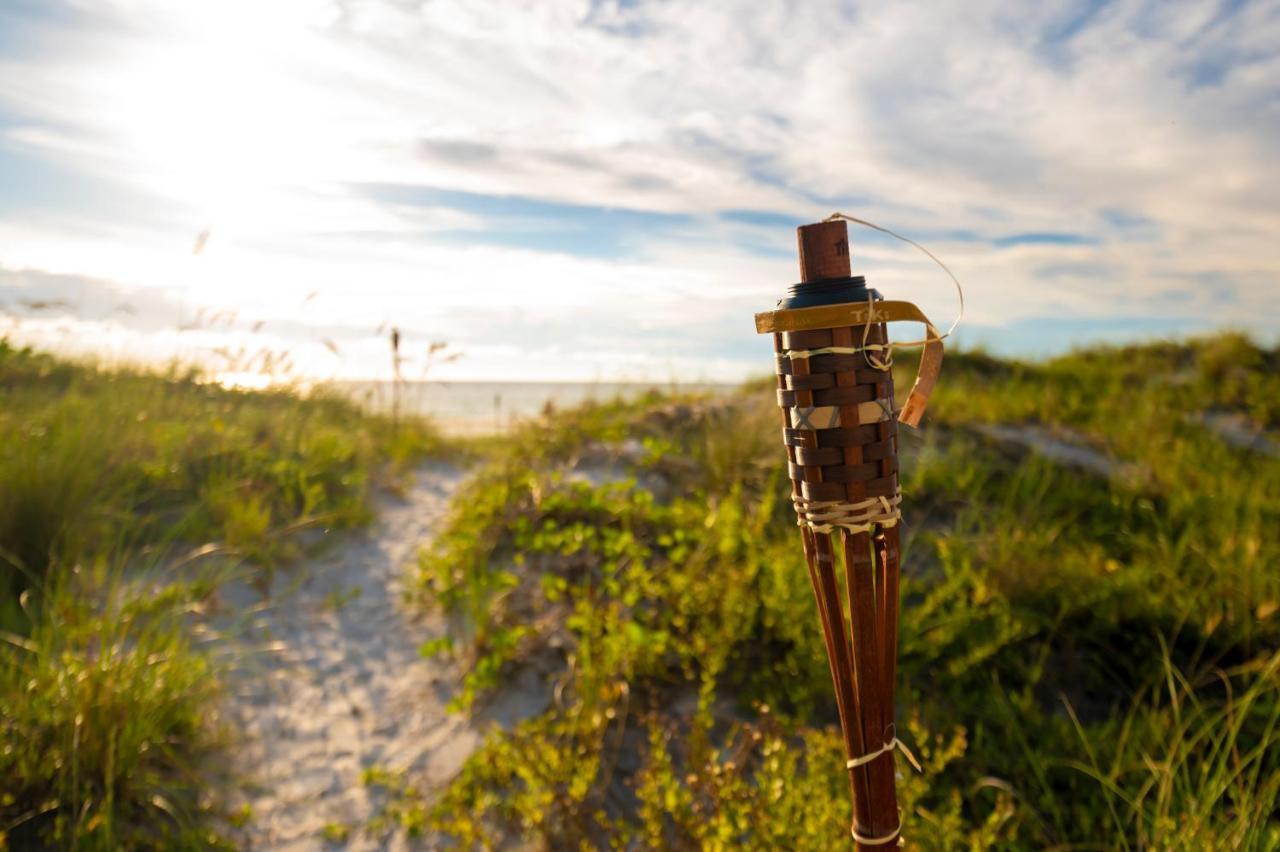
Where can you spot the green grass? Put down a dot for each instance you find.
(110, 739)
(94, 459)
(108, 707)
(1085, 661)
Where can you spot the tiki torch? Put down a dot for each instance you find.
(840, 427)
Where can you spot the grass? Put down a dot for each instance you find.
(93, 459)
(108, 704)
(1086, 661)
(109, 739)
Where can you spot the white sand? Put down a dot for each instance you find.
(337, 685)
(1060, 446)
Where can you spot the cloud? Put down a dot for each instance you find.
(34, 294)
(612, 162)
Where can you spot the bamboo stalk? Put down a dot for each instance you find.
(868, 648)
(847, 698)
(891, 551)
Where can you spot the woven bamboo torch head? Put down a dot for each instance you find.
(835, 385)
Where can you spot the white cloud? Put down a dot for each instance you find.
(1149, 131)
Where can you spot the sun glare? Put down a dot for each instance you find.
(212, 118)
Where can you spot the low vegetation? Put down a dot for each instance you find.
(124, 496)
(1088, 658)
(1090, 653)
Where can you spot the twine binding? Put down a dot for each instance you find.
(863, 840)
(824, 516)
(895, 743)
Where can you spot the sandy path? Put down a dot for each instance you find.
(338, 685)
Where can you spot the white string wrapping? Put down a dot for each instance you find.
(854, 763)
(895, 743)
(876, 841)
(824, 516)
(836, 350)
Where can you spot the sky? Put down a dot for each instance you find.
(577, 190)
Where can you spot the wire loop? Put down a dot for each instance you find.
(909, 241)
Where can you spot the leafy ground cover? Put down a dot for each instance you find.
(124, 496)
(1088, 660)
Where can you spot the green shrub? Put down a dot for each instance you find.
(1061, 629)
(108, 734)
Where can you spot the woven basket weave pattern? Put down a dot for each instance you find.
(855, 460)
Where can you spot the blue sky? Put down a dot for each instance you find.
(609, 190)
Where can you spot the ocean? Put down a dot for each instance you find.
(474, 408)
